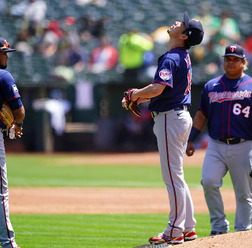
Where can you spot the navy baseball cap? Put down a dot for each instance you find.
(235, 50)
(194, 29)
(4, 46)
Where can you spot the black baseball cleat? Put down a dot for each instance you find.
(213, 233)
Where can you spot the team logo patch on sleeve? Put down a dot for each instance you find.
(165, 74)
(15, 89)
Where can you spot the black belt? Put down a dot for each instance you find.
(232, 141)
(181, 107)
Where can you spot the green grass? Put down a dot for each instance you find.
(59, 171)
(103, 231)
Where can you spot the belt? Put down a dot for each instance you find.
(181, 107)
(232, 141)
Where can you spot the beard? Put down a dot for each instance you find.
(3, 66)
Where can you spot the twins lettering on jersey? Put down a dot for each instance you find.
(189, 74)
(188, 61)
(228, 96)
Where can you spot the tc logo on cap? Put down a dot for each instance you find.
(232, 48)
(235, 50)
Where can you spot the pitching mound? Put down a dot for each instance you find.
(229, 240)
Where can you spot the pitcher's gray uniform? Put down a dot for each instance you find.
(172, 125)
(170, 99)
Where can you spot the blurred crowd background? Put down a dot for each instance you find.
(75, 58)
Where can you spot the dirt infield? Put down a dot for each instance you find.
(108, 200)
(102, 200)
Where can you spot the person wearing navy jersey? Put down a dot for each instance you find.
(226, 107)
(9, 94)
(170, 98)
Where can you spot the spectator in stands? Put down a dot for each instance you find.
(23, 44)
(35, 11)
(206, 62)
(104, 57)
(82, 2)
(212, 60)
(71, 52)
(219, 32)
(71, 58)
(210, 22)
(2, 6)
(30, 10)
(160, 35)
(132, 47)
(33, 14)
(47, 43)
(18, 9)
(247, 45)
(229, 28)
(76, 57)
(100, 3)
(90, 28)
(220, 45)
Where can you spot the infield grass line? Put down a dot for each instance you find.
(30, 170)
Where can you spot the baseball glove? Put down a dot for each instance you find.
(6, 116)
(127, 103)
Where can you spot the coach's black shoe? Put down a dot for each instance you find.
(213, 233)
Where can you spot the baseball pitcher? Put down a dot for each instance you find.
(170, 98)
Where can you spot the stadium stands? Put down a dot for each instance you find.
(33, 73)
(145, 15)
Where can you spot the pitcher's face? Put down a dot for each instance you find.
(176, 29)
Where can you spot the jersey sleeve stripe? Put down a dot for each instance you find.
(13, 98)
(161, 82)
